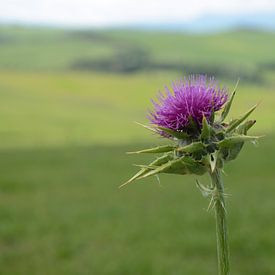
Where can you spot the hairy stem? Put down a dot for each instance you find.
(221, 227)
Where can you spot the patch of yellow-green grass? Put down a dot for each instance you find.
(48, 109)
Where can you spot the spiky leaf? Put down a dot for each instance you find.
(158, 149)
(173, 166)
(227, 107)
(184, 165)
(243, 128)
(206, 130)
(192, 147)
(194, 167)
(237, 122)
(231, 146)
(230, 153)
(159, 161)
(212, 117)
(229, 141)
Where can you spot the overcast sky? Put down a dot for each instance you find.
(109, 12)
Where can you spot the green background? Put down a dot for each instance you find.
(68, 103)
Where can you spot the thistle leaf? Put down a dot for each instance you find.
(176, 134)
(194, 167)
(184, 165)
(230, 153)
(170, 166)
(212, 117)
(237, 122)
(206, 130)
(159, 161)
(192, 147)
(232, 121)
(230, 147)
(229, 141)
(159, 149)
(243, 128)
(227, 107)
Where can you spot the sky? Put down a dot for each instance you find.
(100, 13)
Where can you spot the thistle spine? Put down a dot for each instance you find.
(221, 226)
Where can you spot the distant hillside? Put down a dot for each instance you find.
(238, 53)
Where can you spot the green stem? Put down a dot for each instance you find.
(221, 228)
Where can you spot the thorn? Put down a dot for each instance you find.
(236, 85)
(211, 204)
(259, 102)
(158, 180)
(255, 142)
(223, 206)
(146, 127)
(151, 167)
(224, 172)
(122, 185)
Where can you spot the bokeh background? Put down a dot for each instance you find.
(74, 76)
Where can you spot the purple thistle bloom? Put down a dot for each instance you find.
(195, 97)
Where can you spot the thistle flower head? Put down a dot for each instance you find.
(194, 97)
(202, 142)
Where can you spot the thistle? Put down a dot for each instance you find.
(192, 116)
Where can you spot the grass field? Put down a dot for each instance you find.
(61, 213)
(63, 138)
(53, 109)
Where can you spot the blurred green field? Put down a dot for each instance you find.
(61, 213)
(56, 109)
(63, 137)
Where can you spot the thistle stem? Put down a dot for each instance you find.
(221, 227)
